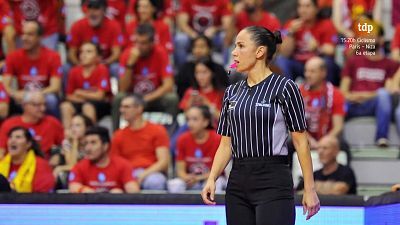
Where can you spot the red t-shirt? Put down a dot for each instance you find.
(38, 70)
(162, 35)
(116, 174)
(320, 106)
(108, 35)
(368, 75)
(215, 97)
(4, 97)
(149, 72)
(47, 132)
(167, 10)
(323, 31)
(99, 79)
(43, 179)
(45, 11)
(198, 157)
(396, 38)
(268, 21)
(139, 146)
(205, 13)
(5, 20)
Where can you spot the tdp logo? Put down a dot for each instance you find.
(365, 27)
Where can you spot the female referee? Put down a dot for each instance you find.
(255, 119)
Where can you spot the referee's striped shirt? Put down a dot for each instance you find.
(258, 118)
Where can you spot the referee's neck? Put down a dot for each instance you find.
(258, 73)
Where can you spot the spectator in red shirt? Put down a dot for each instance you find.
(201, 49)
(48, 13)
(88, 86)
(206, 90)
(96, 28)
(324, 103)
(116, 10)
(34, 65)
(144, 144)
(253, 13)
(213, 18)
(7, 31)
(146, 12)
(146, 70)
(24, 166)
(365, 83)
(4, 103)
(99, 171)
(46, 130)
(395, 48)
(195, 152)
(305, 37)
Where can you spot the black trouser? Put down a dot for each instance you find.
(260, 192)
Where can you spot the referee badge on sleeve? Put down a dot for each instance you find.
(231, 105)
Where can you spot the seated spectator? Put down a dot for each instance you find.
(116, 10)
(100, 172)
(143, 143)
(4, 103)
(73, 145)
(201, 49)
(96, 28)
(23, 165)
(205, 90)
(146, 12)
(252, 13)
(46, 130)
(212, 18)
(7, 31)
(395, 47)
(165, 10)
(88, 87)
(146, 70)
(35, 64)
(48, 13)
(365, 84)
(333, 178)
(195, 152)
(324, 103)
(305, 37)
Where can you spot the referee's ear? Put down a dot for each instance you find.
(261, 52)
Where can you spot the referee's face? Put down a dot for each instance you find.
(245, 52)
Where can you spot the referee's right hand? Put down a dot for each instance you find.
(208, 192)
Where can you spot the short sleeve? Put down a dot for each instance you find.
(338, 103)
(180, 153)
(117, 36)
(56, 70)
(9, 69)
(103, 83)
(166, 67)
(162, 139)
(75, 176)
(127, 172)
(71, 83)
(73, 39)
(347, 70)
(293, 107)
(223, 123)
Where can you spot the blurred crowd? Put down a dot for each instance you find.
(125, 59)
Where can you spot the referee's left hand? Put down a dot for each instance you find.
(311, 203)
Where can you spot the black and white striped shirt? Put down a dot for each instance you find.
(258, 118)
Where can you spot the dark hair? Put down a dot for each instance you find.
(40, 29)
(146, 29)
(97, 46)
(264, 37)
(95, 4)
(102, 132)
(214, 76)
(28, 135)
(137, 98)
(206, 113)
(86, 120)
(201, 37)
(157, 4)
